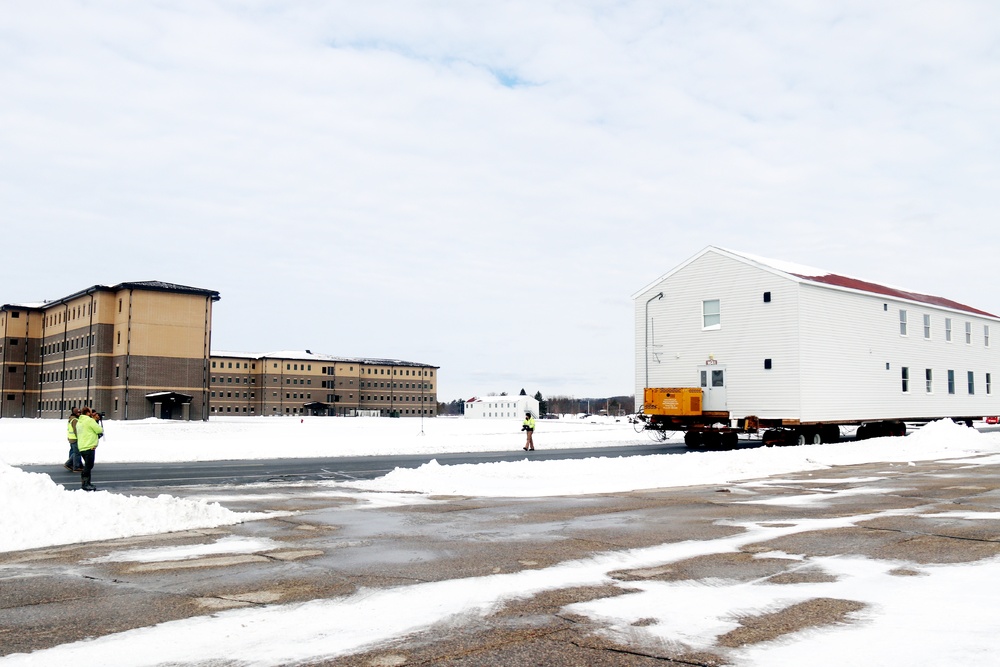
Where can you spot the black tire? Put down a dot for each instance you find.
(712, 439)
(693, 440)
(773, 437)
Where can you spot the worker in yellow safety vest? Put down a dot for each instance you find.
(529, 427)
(73, 463)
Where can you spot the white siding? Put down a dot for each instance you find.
(750, 332)
(828, 347)
(502, 407)
(848, 339)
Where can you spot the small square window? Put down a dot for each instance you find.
(767, 297)
(767, 364)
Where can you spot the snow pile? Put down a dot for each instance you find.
(938, 440)
(38, 512)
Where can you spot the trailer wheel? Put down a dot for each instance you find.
(831, 433)
(732, 440)
(712, 439)
(863, 432)
(693, 440)
(773, 437)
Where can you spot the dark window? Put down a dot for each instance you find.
(767, 297)
(767, 364)
(15, 314)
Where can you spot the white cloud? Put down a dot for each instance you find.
(344, 164)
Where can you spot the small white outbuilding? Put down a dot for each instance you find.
(787, 342)
(501, 407)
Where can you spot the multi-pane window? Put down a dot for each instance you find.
(947, 329)
(951, 382)
(986, 335)
(968, 333)
(711, 314)
(902, 322)
(929, 379)
(972, 383)
(989, 384)
(927, 326)
(906, 379)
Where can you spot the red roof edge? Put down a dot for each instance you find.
(874, 288)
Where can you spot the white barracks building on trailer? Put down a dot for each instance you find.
(791, 345)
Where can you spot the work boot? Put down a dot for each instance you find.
(89, 487)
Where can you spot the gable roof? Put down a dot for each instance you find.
(819, 277)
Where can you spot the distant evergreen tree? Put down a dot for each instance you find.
(523, 392)
(543, 405)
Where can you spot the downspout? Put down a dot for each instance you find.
(128, 351)
(24, 370)
(646, 327)
(41, 364)
(263, 386)
(3, 363)
(90, 348)
(62, 373)
(207, 355)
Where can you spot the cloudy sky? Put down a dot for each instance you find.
(482, 185)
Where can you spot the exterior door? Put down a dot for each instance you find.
(712, 380)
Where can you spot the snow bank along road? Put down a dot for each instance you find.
(869, 564)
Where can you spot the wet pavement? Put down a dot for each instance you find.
(331, 543)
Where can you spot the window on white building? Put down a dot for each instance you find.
(711, 314)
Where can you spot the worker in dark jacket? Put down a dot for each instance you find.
(88, 432)
(529, 427)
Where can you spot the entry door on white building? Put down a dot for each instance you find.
(713, 387)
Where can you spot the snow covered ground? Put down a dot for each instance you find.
(942, 618)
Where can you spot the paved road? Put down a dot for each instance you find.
(333, 546)
(120, 476)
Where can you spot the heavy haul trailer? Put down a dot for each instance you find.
(728, 343)
(667, 410)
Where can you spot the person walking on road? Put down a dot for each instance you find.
(73, 463)
(88, 433)
(529, 427)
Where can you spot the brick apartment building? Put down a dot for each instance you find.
(298, 383)
(143, 349)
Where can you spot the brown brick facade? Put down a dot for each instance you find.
(140, 350)
(107, 347)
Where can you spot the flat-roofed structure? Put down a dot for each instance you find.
(304, 383)
(132, 350)
(143, 349)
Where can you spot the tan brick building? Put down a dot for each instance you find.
(304, 383)
(133, 350)
(143, 349)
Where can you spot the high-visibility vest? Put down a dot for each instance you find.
(71, 428)
(90, 430)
